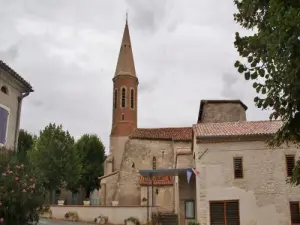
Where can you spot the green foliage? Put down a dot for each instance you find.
(25, 143)
(21, 194)
(92, 155)
(193, 222)
(272, 56)
(54, 158)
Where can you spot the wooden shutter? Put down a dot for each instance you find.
(217, 216)
(238, 167)
(3, 125)
(232, 213)
(295, 214)
(290, 164)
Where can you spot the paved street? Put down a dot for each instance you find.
(55, 222)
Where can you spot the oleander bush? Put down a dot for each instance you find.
(21, 194)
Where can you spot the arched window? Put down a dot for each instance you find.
(123, 97)
(4, 90)
(154, 163)
(132, 99)
(115, 98)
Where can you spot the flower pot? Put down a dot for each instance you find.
(61, 202)
(115, 203)
(87, 202)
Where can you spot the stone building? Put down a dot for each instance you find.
(233, 169)
(13, 89)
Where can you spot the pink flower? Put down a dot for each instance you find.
(1, 220)
(16, 178)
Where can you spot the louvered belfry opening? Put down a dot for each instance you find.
(290, 164)
(238, 167)
(224, 212)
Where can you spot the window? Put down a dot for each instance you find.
(238, 167)
(290, 163)
(132, 99)
(154, 163)
(224, 213)
(295, 215)
(115, 98)
(123, 116)
(3, 124)
(123, 97)
(189, 209)
(4, 90)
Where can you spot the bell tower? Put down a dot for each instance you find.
(125, 105)
(125, 83)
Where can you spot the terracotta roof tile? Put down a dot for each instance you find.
(242, 128)
(177, 133)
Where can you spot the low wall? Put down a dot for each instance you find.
(115, 214)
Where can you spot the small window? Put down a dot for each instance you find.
(132, 99)
(3, 125)
(238, 167)
(123, 116)
(4, 90)
(123, 97)
(290, 164)
(115, 98)
(190, 209)
(224, 212)
(154, 163)
(295, 213)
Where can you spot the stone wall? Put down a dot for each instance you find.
(263, 193)
(108, 187)
(138, 155)
(223, 112)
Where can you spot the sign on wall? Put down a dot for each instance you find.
(157, 180)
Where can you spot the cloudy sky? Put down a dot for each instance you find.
(68, 51)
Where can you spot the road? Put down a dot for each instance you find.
(56, 222)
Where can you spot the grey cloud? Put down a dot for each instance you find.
(68, 51)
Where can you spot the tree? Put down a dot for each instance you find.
(92, 155)
(21, 193)
(272, 56)
(25, 143)
(55, 159)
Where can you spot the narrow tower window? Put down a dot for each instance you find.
(123, 97)
(154, 163)
(4, 89)
(132, 99)
(115, 98)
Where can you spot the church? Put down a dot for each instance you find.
(216, 171)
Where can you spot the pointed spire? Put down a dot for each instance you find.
(125, 64)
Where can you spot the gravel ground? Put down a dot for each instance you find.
(57, 222)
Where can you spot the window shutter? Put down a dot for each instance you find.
(295, 214)
(232, 213)
(238, 167)
(3, 125)
(290, 164)
(217, 216)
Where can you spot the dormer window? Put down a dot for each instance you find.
(4, 90)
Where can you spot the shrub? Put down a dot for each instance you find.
(132, 220)
(21, 194)
(72, 216)
(193, 223)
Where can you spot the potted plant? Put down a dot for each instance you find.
(86, 202)
(61, 200)
(144, 201)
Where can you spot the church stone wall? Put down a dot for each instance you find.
(223, 112)
(117, 146)
(138, 155)
(263, 193)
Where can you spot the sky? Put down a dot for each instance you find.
(67, 50)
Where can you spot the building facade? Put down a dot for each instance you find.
(13, 89)
(235, 179)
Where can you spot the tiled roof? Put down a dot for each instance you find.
(245, 128)
(177, 133)
(15, 75)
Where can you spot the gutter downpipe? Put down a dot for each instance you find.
(20, 98)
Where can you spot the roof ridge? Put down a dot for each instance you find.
(239, 122)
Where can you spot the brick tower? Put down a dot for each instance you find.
(125, 88)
